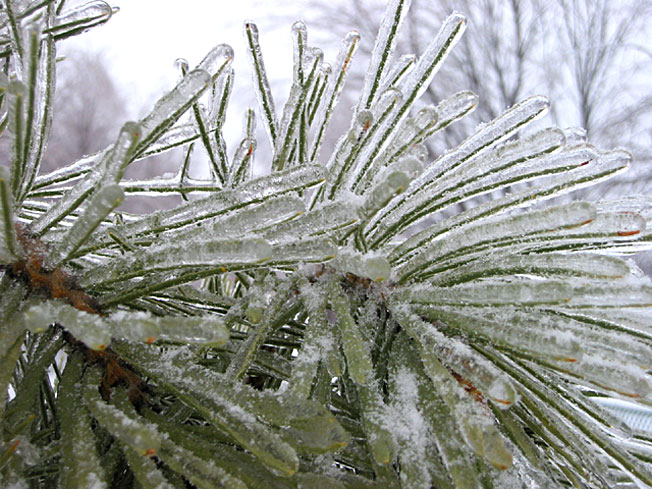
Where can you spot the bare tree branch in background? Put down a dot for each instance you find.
(605, 77)
(586, 55)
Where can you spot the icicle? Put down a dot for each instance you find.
(170, 107)
(306, 250)
(80, 19)
(89, 328)
(217, 61)
(261, 83)
(101, 204)
(120, 155)
(204, 330)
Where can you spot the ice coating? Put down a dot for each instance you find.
(400, 68)
(225, 411)
(304, 251)
(490, 292)
(101, 204)
(358, 359)
(10, 249)
(558, 265)
(294, 108)
(336, 83)
(393, 184)
(491, 133)
(431, 60)
(383, 49)
(519, 225)
(242, 162)
(140, 436)
(300, 45)
(370, 300)
(261, 83)
(458, 356)
(322, 220)
(147, 328)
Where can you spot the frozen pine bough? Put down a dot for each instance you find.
(340, 322)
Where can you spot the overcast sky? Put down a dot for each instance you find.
(142, 40)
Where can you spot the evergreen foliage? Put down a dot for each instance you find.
(336, 323)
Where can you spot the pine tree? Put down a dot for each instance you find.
(338, 322)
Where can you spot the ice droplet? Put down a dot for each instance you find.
(217, 60)
(181, 64)
(300, 45)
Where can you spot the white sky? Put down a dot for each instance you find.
(143, 39)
